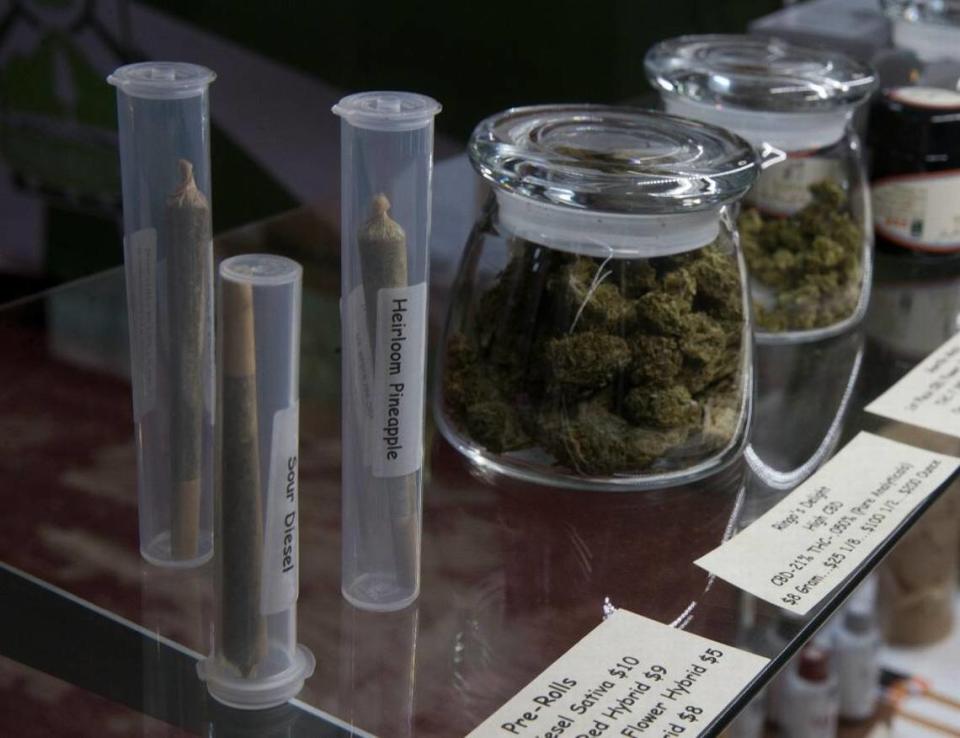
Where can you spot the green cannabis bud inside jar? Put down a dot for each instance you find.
(807, 267)
(607, 365)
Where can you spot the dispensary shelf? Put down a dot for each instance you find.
(513, 573)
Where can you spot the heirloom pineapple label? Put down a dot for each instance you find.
(398, 391)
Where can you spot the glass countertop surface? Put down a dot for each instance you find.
(97, 642)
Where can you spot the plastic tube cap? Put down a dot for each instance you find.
(387, 111)
(162, 80)
(258, 694)
(261, 269)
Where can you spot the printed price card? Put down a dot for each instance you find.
(929, 396)
(630, 676)
(818, 534)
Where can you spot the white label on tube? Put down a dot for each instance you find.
(360, 363)
(816, 536)
(281, 542)
(929, 396)
(141, 276)
(397, 430)
(629, 676)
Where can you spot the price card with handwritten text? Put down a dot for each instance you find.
(928, 396)
(796, 553)
(630, 676)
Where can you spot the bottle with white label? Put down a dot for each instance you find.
(386, 145)
(785, 629)
(857, 651)
(811, 702)
(915, 178)
(256, 662)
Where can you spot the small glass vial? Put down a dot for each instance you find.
(805, 227)
(598, 335)
(256, 662)
(857, 648)
(811, 701)
(168, 264)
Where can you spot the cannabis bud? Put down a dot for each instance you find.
(807, 265)
(610, 366)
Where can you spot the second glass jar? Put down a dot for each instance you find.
(806, 228)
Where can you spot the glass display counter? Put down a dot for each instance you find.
(513, 574)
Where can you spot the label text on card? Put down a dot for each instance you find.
(796, 553)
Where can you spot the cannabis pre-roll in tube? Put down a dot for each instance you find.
(168, 259)
(386, 141)
(256, 662)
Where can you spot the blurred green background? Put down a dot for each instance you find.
(477, 58)
(59, 173)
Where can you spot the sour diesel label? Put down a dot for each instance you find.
(398, 391)
(281, 544)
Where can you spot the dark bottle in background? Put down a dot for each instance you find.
(915, 178)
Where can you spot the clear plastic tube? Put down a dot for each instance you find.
(386, 143)
(168, 260)
(256, 661)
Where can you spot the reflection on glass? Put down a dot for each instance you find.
(378, 658)
(277, 722)
(563, 554)
(915, 308)
(175, 606)
(804, 394)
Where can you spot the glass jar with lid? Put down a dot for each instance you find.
(598, 334)
(805, 226)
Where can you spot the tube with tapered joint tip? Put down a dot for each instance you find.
(256, 662)
(168, 261)
(386, 141)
